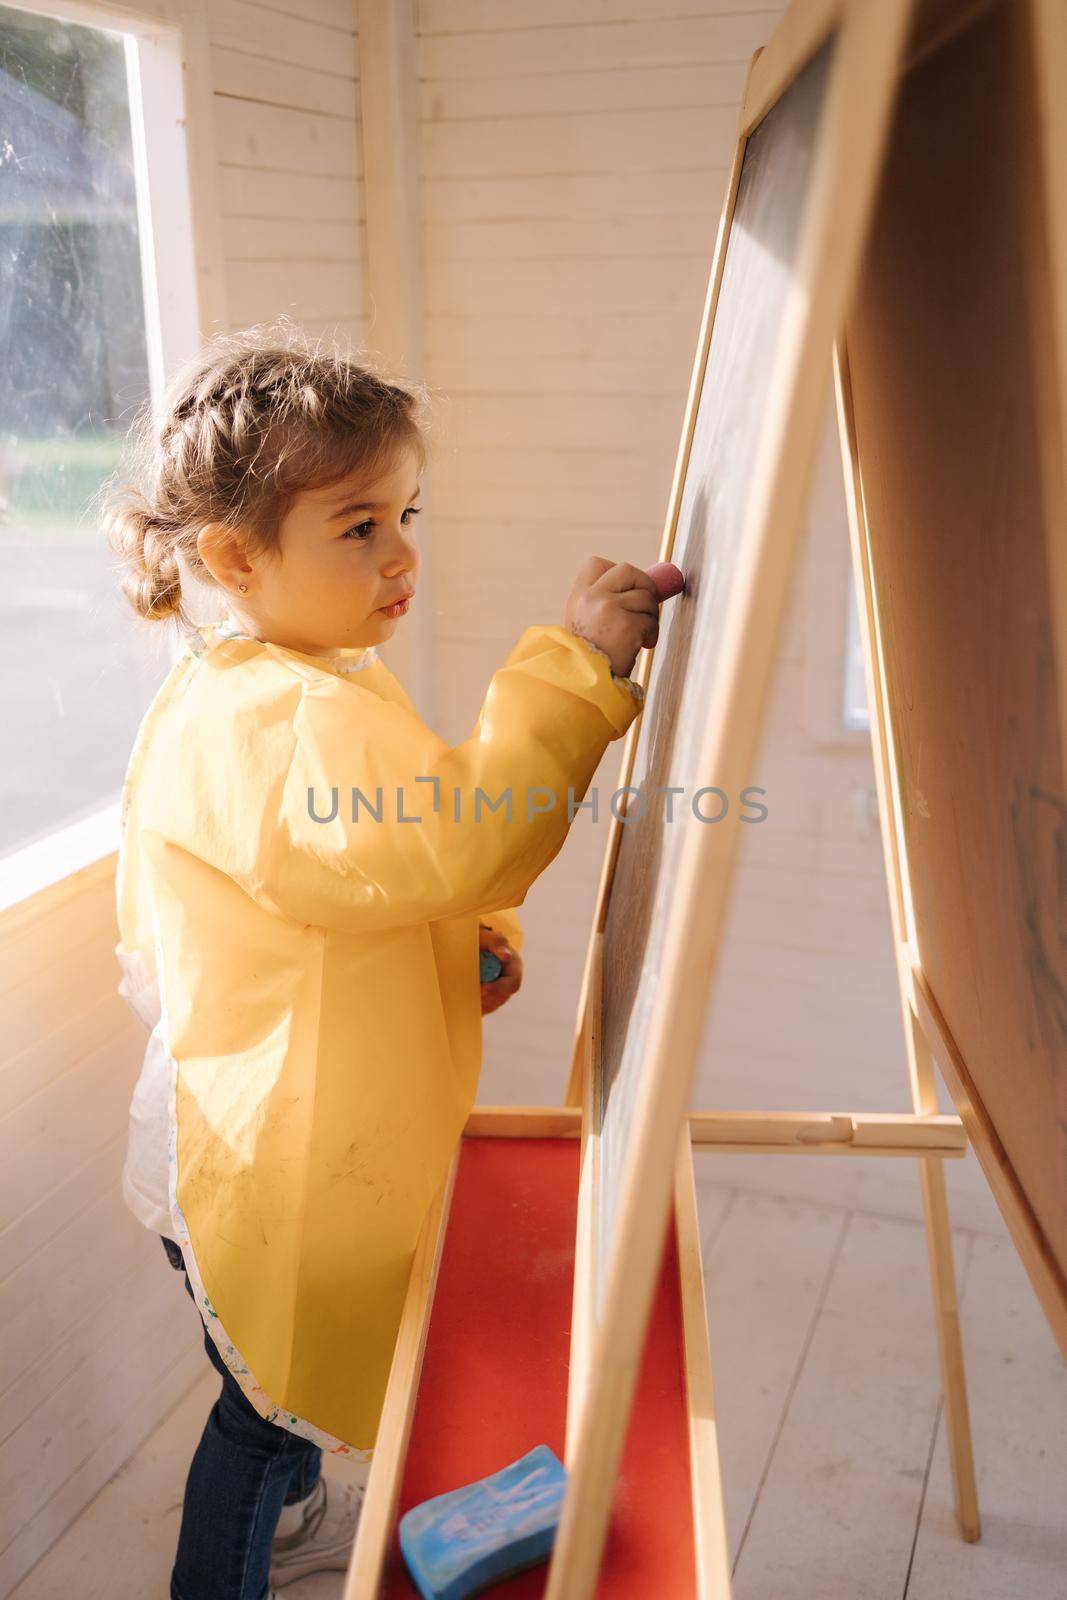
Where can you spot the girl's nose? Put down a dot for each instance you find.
(404, 559)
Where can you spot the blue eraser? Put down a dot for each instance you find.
(459, 1542)
(491, 967)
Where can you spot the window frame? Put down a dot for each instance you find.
(827, 587)
(854, 644)
(168, 71)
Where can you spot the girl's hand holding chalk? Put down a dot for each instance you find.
(497, 990)
(616, 607)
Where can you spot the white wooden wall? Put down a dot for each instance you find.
(573, 155)
(290, 179)
(96, 1345)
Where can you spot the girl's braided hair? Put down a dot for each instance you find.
(253, 418)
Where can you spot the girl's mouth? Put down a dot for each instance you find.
(396, 610)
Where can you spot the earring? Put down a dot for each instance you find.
(243, 587)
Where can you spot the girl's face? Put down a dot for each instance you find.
(344, 554)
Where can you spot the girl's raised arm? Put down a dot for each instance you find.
(438, 831)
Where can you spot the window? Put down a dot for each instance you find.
(82, 346)
(834, 684)
(855, 710)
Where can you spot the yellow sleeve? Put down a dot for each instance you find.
(378, 823)
(507, 923)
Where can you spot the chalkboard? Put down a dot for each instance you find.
(745, 341)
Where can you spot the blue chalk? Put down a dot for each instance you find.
(491, 967)
(457, 1543)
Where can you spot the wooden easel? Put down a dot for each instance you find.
(1037, 40)
(624, 1205)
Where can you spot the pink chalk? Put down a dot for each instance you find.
(669, 580)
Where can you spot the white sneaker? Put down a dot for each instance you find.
(323, 1542)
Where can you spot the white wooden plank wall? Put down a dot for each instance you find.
(96, 1344)
(290, 178)
(99, 1340)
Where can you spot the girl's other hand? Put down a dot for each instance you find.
(495, 994)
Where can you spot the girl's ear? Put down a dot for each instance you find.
(223, 554)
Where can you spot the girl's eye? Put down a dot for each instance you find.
(367, 527)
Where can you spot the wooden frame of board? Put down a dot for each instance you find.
(874, 45)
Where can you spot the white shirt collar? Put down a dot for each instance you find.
(345, 659)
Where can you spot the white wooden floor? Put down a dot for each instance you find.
(833, 1451)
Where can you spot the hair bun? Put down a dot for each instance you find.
(152, 583)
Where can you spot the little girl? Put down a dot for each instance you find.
(306, 875)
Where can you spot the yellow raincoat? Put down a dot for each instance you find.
(318, 979)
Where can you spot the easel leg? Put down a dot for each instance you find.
(946, 1300)
(709, 1512)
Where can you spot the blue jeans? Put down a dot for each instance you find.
(243, 1471)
